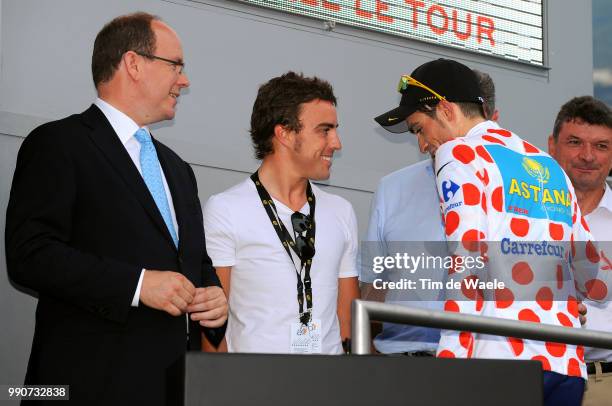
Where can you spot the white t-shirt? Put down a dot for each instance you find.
(599, 315)
(263, 289)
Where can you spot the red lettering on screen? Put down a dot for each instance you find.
(360, 12)
(442, 12)
(380, 6)
(435, 17)
(468, 26)
(482, 29)
(415, 12)
(331, 6)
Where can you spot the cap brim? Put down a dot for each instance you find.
(395, 120)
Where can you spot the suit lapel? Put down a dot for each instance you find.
(105, 138)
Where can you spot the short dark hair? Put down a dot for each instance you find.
(131, 32)
(487, 91)
(584, 108)
(279, 101)
(469, 109)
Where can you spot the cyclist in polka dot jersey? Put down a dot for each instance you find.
(509, 203)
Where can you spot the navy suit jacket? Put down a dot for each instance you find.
(81, 224)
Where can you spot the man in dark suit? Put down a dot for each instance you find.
(104, 222)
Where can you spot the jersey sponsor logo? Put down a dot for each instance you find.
(544, 248)
(449, 189)
(534, 186)
(452, 206)
(536, 170)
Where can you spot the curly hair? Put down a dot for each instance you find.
(279, 101)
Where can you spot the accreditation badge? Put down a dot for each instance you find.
(306, 338)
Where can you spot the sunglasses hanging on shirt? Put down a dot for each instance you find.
(303, 243)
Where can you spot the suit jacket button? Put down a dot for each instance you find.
(180, 259)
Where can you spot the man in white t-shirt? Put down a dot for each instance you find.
(582, 144)
(284, 249)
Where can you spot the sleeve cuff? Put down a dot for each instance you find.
(136, 298)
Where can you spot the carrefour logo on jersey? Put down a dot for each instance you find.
(449, 188)
(534, 186)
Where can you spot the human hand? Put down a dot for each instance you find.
(209, 307)
(582, 311)
(168, 291)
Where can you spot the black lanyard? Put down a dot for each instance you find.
(285, 238)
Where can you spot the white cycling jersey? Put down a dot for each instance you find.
(511, 204)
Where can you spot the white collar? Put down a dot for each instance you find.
(479, 128)
(124, 126)
(606, 199)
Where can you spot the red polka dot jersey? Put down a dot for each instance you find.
(510, 204)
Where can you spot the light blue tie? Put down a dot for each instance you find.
(151, 172)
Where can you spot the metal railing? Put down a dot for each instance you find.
(363, 312)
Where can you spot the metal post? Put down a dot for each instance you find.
(360, 329)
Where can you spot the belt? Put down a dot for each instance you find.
(606, 367)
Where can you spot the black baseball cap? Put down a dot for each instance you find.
(428, 84)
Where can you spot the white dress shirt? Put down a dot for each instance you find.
(125, 128)
(599, 315)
